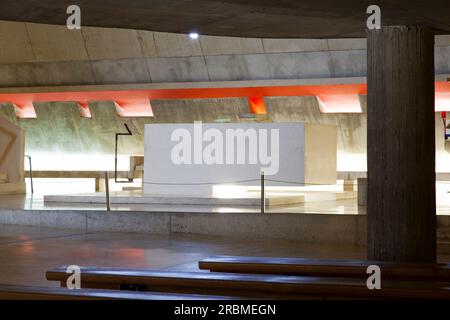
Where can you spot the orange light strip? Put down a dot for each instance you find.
(137, 101)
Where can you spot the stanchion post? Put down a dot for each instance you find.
(263, 195)
(31, 173)
(108, 200)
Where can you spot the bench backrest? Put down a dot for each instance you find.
(249, 285)
(318, 267)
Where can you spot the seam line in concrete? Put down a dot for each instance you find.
(29, 41)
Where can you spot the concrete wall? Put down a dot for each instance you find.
(38, 54)
(35, 55)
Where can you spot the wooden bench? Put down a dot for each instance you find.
(317, 267)
(14, 292)
(250, 285)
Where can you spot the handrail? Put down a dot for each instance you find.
(108, 199)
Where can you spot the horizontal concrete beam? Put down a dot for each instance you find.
(189, 85)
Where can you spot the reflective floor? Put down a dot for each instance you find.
(26, 253)
(73, 186)
(346, 206)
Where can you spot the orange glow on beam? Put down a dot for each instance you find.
(334, 97)
(134, 108)
(257, 105)
(342, 103)
(130, 96)
(83, 107)
(25, 110)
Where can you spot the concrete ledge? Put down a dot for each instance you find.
(252, 200)
(313, 228)
(318, 228)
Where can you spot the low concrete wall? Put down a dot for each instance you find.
(311, 228)
(317, 228)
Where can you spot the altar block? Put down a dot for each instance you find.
(192, 159)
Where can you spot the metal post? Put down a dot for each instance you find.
(263, 195)
(108, 200)
(31, 173)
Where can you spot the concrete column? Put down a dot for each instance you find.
(401, 212)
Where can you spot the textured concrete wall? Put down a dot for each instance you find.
(37, 54)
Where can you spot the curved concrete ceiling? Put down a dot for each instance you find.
(245, 18)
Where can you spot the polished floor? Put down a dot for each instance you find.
(26, 253)
(28, 202)
(73, 186)
(344, 206)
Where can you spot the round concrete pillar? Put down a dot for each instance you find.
(401, 208)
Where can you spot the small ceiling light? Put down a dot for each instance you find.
(193, 35)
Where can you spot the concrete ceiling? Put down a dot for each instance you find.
(246, 18)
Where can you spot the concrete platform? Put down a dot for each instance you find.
(246, 199)
(317, 228)
(137, 197)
